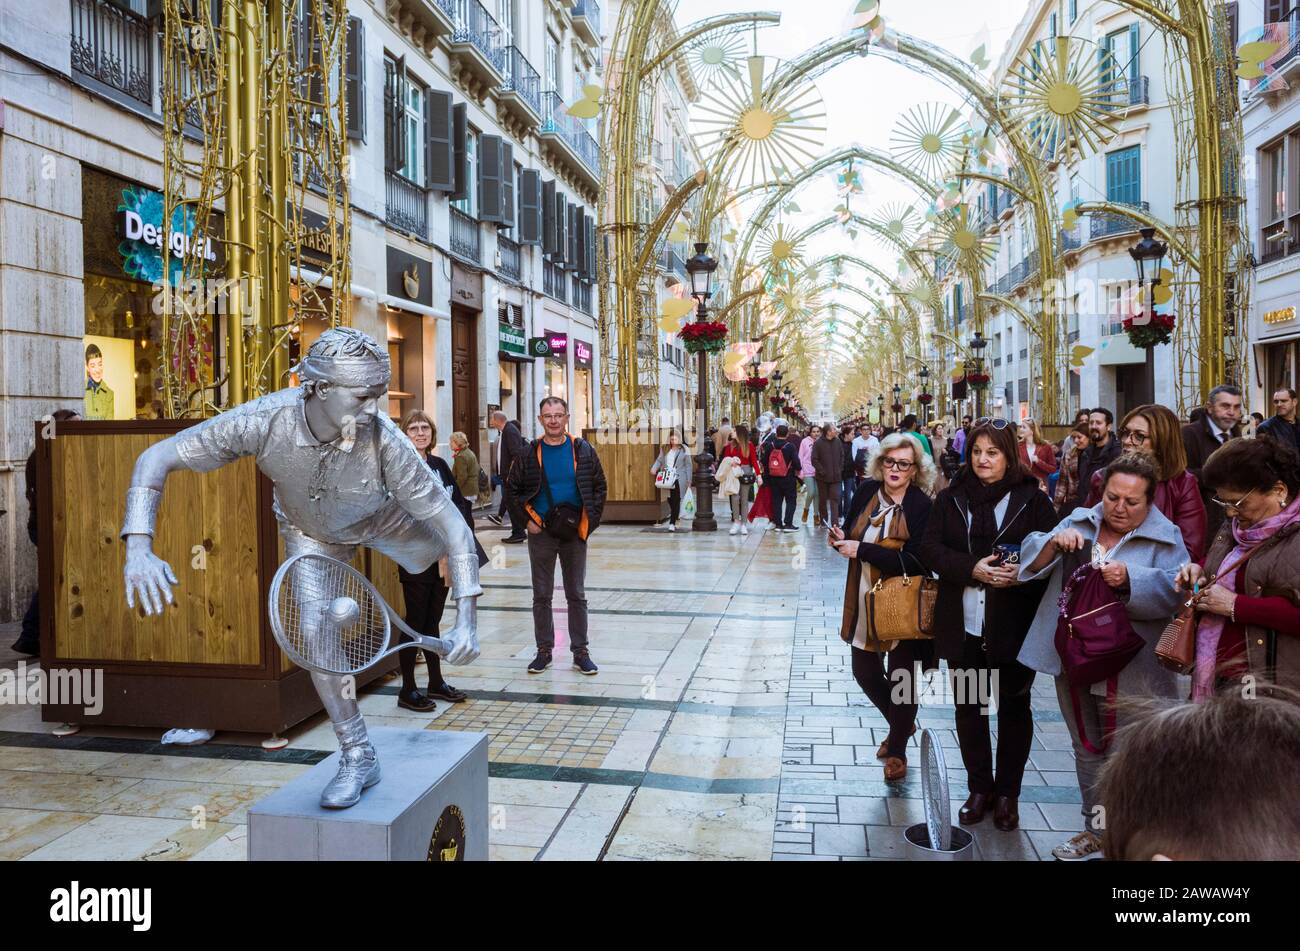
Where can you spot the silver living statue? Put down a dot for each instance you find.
(344, 476)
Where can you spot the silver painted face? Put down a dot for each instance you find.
(358, 405)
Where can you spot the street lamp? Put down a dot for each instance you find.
(898, 403)
(1149, 255)
(700, 268)
(977, 345)
(925, 394)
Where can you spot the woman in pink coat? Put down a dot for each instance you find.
(806, 473)
(1036, 455)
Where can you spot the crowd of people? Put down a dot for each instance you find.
(1068, 559)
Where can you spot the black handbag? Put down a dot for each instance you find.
(562, 522)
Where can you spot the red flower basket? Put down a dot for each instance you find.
(897, 407)
(925, 399)
(703, 335)
(978, 380)
(757, 383)
(1159, 331)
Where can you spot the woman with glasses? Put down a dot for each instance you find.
(1155, 432)
(885, 523)
(1035, 455)
(972, 542)
(1249, 611)
(806, 474)
(1138, 553)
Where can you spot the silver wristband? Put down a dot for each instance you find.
(463, 568)
(141, 511)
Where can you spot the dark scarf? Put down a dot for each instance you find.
(982, 501)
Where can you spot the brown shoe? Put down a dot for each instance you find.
(895, 769)
(1005, 814)
(817, 521)
(883, 751)
(977, 803)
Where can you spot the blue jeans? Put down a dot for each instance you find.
(846, 495)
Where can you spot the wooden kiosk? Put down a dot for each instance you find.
(209, 661)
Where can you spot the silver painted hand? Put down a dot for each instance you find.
(463, 637)
(147, 575)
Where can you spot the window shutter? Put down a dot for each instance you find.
(1134, 46)
(570, 245)
(356, 79)
(579, 241)
(460, 161)
(1074, 10)
(489, 178)
(439, 156)
(395, 114)
(561, 227)
(1051, 22)
(507, 185)
(591, 247)
(548, 218)
(530, 206)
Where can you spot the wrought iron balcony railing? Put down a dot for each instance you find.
(464, 236)
(521, 78)
(114, 47)
(553, 281)
(475, 25)
(406, 205)
(571, 130)
(1103, 226)
(510, 258)
(589, 9)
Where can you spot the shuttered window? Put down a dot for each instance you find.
(462, 183)
(549, 244)
(439, 162)
(1124, 175)
(470, 202)
(394, 114)
(507, 185)
(530, 206)
(489, 179)
(561, 227)
(356, 79)
(590, 245)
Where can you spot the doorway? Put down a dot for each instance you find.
(464, 374)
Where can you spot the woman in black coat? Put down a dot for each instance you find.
(425, 594)
(890, 509)
(983, 612)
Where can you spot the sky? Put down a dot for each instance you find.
(865, 97)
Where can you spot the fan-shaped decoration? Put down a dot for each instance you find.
(899, 221)
(717, 54)
(771, 131)
(793, 302)
(963, 241)
(928, 138)
(1067, 95)
(778, 248)
(923, 291)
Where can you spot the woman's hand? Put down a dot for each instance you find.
(1190, 576)
(534, 528)
(990, 574)
(847, 547)
(1115, 574)
(833, 535)
(1217, 599)
(1069, 539)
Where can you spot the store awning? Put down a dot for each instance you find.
(401, 303)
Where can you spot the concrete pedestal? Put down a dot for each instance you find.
(432, 798)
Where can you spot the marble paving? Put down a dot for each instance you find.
(724, 724)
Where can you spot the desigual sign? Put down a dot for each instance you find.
(135, 228)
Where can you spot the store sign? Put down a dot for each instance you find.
(539, 347)
(183, 243)
(1280, 316)
(581, 353)
(409, 277)
(319, 240)
(558, 343)
(511, 340)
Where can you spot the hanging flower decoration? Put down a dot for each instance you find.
(925, 399)
(703, 336)
(1157, 331)
(756, 383)
(978, 379)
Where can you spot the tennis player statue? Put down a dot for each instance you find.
(344, 476)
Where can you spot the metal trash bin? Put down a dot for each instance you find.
(918, 845)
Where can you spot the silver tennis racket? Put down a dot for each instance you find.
(327, 617)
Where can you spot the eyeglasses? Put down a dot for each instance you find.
(902, 465)
(997, 422)
(555, 417)
(1133, 434)
(1235, 506)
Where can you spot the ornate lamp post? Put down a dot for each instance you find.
(1149, 255)
(976, 374)
(700, 268)
(925, 394)
(880, 409)
(898, 404)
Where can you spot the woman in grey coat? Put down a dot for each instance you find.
(675, 458)
(1139, 553)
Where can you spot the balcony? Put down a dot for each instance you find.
(1003, 286)
(586, 21)
(1106, 226)
(406, 206)
(476, 44)
(1280, 239)
(437, 18)
(1068, 241)
(553, 281)
(465, 236)
(1139, 92)
(510, 265)
(113, 51)
(569, 140)
(681, 168)
(581, 296)
(672, 262)
(521, 89)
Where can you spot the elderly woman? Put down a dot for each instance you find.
(983, 611)
(464, 466)
(1155, 432)
(675, 460)
(1138, 552)
(1067, 485)
(886, 521)
(1250, 610)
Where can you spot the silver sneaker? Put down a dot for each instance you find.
(358, 770)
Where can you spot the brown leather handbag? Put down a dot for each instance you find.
(901, 608)
(1176, 649)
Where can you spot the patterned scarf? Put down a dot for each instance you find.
(874, 513)
(1211, 626)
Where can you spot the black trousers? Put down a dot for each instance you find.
(426, 598)
(881, 690)
(972, 687)
(784, 489)
(674, 504)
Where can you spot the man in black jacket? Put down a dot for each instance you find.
(784, 488)
(1282, 424)
(557, 476)
(510, 446)
(1103, 450)
(1220, 423)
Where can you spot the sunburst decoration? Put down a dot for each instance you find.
(928, 138)
(898, 220)
(923, 291)
(962, 242)
(716, 55)
(778, 248)
(795, 302)
(1067, 95)
(771, 131)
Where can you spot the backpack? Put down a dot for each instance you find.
(484, 486)
(1095, 640)
(777, 466)
(950, 461)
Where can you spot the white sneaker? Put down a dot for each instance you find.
(744, 530)
(735, 530)
(1084, 847)
(672, 527)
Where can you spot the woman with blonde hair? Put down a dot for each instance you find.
(885, 523)
(1036, 455)
(464, 466)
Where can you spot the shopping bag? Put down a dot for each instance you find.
(688, 504)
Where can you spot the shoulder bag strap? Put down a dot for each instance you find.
(546, 485)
